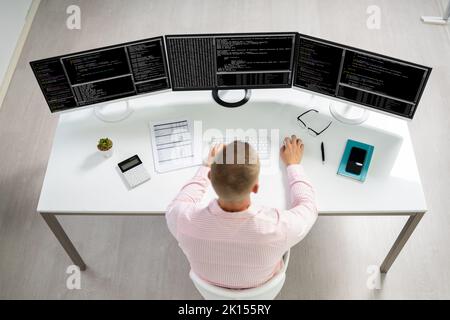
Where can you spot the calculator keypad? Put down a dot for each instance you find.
(136, 176)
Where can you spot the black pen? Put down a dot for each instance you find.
(323, 153)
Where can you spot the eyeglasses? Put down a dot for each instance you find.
(310, 130)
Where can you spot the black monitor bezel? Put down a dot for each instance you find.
(422, 87)
(166, 68)
(208, 35)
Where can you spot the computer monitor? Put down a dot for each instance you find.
(104, 74)
(231, 61)
(364, 78)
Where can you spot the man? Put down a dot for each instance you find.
(232, 242)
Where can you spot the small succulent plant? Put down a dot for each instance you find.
(104, 144)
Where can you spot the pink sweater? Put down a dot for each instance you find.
(239, 249)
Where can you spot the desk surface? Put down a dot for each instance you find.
(80, 180)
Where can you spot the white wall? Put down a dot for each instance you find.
(12, 21)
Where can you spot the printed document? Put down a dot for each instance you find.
(173, 145)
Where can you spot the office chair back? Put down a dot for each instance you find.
(267, 291)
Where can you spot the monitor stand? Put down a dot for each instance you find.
(232, 96)
(349, 114)
(113, 112)
(444, 19)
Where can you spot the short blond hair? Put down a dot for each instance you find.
(235, 171)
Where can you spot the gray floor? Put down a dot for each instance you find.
(136, 257)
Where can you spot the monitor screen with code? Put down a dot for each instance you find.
(104, 74)
(358, 76)
(231, 61)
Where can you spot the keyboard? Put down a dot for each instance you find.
(260, 144)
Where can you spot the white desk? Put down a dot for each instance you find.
(79, 181)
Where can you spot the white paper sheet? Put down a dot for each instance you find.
(173, 145)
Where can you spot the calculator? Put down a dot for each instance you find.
(133, 171)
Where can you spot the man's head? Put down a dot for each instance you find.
(234, 172)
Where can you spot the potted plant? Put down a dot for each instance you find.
(105, 147)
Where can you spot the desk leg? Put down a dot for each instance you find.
(63, 239)
(400, 242)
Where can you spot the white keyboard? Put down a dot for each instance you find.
(260, 144)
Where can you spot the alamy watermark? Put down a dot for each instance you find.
(266, 143)
(373, 21)
(73, 21)
(374, 280)
(73, 281)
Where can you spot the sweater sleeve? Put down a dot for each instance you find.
(303, 213)
(188, 197)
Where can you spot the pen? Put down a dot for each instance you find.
(323, 153)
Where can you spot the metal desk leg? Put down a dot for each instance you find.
(63, 239)
(401, 240)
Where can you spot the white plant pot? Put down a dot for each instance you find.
(107, 153)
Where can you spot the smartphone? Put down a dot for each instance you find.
(356, 160)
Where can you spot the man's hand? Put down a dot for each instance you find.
(215, 149)
(292, 150)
